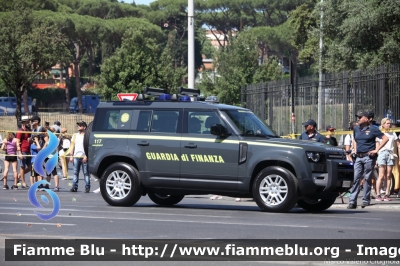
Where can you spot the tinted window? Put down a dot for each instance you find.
(113, 120)
(199, 122)
(165, 121)
(144, 121)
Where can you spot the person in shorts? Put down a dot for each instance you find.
(386, 159)
(11, 147)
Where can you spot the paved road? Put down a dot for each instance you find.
(86, 215)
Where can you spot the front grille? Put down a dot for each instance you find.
(337, 156)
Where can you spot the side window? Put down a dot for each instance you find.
(144, 121)
(113, 120)
(199, 122)
(165, 121)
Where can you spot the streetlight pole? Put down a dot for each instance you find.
(320, 89)
(191, 44)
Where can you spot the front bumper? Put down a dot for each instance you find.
(338, 177)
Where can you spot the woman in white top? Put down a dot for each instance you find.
(348, 141)
(386, 159)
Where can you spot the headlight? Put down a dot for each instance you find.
(314, 157)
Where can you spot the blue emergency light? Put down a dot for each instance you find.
(184, 99)
(164, 97)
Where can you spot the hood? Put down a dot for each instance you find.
(300, 143)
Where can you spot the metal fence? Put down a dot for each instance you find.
(67, 120)
(344, 94)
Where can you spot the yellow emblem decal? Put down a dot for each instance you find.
(124, 117)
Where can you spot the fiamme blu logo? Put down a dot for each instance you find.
(49, 152)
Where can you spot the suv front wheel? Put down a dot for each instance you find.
(165, 199)
(275, 189)
(120, 185)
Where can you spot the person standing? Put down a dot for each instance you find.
(348, 141)
(64, 145)
(330, 139)
(24, 139)
(386, 159)
(79, 158)
(365, 152)
(12, 149)
(310, 132)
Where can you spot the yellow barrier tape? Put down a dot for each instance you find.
(293, 136)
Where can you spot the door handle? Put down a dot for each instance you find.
(191, 146)
(143, 143)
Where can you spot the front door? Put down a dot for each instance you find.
(208, 161)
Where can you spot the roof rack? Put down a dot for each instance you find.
(183, 95)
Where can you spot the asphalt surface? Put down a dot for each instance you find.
(87, 215)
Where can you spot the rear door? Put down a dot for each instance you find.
(155, 142)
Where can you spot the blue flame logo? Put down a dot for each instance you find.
(34, 201)
(51, 149)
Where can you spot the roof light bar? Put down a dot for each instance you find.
(189, 92)
(154, 91)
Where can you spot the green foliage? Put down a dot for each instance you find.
(171, 72)
(236, 65)
(268, 71)
(10, 5)
(29, 48)
(133, 66)
(356, 34)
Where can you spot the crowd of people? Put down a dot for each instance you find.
(370, 146)
(22, 147)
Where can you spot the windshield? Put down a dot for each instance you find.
(249, 124)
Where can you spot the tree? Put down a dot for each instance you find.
(170, 71)
(133, 66)
(29, 48)
(236, 64)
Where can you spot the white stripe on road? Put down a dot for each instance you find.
(11, 222)
(144, 213)
(174, 221)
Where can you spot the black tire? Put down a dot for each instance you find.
(317, 205)
(279, 176)
(111, 187)
(165, 199)
(86, 138)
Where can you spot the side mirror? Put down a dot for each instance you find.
(219, 130)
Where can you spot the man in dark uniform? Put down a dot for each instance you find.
(365, 154)
(310, 132)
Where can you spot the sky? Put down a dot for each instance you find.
(139, 2)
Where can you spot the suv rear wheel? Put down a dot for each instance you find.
(120, 185)
(275, 189)
(165, 199)
(316, 205)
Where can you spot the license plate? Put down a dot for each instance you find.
(346, 184)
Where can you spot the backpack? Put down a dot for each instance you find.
(341, 142)
(66, 143)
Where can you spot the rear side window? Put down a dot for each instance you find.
(165, 121)
(143, 121)
(113, 120)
